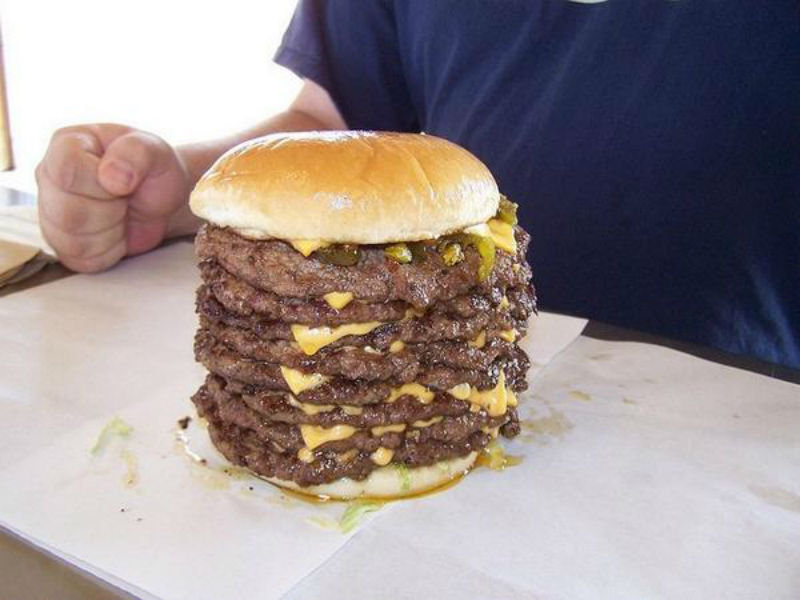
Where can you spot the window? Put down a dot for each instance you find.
(185, 71)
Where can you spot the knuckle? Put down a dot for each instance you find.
(63, 171)
(72, 219)
(80, 247)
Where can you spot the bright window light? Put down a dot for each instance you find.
(185, 71)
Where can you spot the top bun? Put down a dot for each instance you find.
(356, 187)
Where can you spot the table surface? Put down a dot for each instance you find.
(27, 571)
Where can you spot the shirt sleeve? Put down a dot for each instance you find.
(349, 47)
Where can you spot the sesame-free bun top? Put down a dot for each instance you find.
(357, 187)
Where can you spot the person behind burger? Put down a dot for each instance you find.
(649, 146)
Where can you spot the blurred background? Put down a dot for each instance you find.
(185, 71)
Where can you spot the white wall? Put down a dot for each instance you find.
(184, 70)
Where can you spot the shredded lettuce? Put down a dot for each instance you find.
(355, 512)
(115, 426)
(323, 523)
(405, 477)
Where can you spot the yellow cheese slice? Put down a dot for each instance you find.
(305, 455)
(493, 431)
(311, 339)
(346, 456)
(503, 235)
(315, 436)
(495, 401)
(382, 456)
(310, 409)
(299, 382)
(338, 300)
(481, 229)
(512, 397)
(422, 393)
(508, 335)
(428, 423)
(479, 341)
(315, 409)
(413, 313)
(460, 391)
(380, 430)
(306, 247)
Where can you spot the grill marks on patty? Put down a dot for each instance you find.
(253, 291)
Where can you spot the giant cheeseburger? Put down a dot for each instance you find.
(362, 301)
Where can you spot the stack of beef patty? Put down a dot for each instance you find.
(363, 295)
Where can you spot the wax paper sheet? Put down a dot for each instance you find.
(148, 505)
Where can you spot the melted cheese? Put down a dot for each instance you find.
(396, 346)
(493, 431)
(315, 436)
(460, 391)
(306, 247)
(310, 409)
(495, 401)
(305, 455)
(380, 430)
(422, 393)
(508, 335)
(312, 339)
(479, 341)
(299, 382)
(481, 229)
(338, 300)
(512, 397)
(427, 423)
(503, 235)
(346, 456)
(504, 303)
(382, 456)
(412, 313)
(315, 409)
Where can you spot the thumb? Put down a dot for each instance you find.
(130, 159)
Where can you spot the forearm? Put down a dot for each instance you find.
(198, 157)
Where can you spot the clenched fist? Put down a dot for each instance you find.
(107, 191)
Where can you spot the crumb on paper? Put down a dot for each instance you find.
(131, 476)
(115, 427)
(184, 422)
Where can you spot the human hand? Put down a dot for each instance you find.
(108, 191)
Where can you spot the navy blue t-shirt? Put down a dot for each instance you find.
(652, 145)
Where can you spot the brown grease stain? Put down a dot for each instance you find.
(629, 401)
(579, 395)
(777, 497)
(554, 425)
